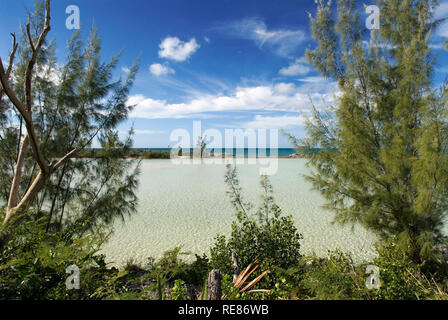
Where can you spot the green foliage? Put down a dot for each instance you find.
(110, 287)
(154, 154)
(401, 278)
(334, 278)
(230, 292)
(266, 236)
(33, 265)
(170, 267)
(178, 292)
(204, 292)
(383, 160)
(75, 102)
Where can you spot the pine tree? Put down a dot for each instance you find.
(50, 113)
(383, 159)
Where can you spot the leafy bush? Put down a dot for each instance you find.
(267, 237)
(275, 243)
(334, 278)
(401, 278)
(178, 292)
(33, 264)
(170, 268)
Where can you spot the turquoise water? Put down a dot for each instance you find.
(187, 205)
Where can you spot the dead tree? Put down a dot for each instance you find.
(214, 285)
(25, 107)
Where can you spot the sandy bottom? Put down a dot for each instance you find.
(187, 205)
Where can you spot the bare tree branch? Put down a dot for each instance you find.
(15, 45)
(35, 53)
(30, 38)
(26, 117)
(14, 192)
(26, 112)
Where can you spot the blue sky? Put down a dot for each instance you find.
(230, 64)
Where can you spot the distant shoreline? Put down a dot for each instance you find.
(165, 154)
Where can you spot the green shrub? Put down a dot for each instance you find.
(33, 264)
(333, 278)
(178, 292)
(401, 279)
(273, 244)
(170, 267)
(266, 237)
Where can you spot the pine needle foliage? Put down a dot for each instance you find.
(383, 159)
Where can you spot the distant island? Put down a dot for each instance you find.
(165, 153)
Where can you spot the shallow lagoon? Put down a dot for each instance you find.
(187, 205)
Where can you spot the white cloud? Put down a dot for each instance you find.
(441, 12)
(53, 74)
(282, 41)
(437, 46)
(284, 97)
(160, 70)
(317, 79)
(175, 49)
(275, 122)
(142, 132)
(125, 69)
(284, 88)
(145, 132)
(297, 68)
(442, 69)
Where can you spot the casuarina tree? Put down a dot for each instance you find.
(50, 113)
(383, 159)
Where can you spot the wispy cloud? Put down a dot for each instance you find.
(281, 41)
(317, 79)
(175, 49)
(441, 12)
(143, 132)
(275, 122)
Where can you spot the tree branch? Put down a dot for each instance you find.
(25, 110)
(30, 39)
(61, 161)
(26, 117)
(32, 61)
(14, 192)
(15, 45)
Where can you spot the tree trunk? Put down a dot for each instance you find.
(214, 285)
